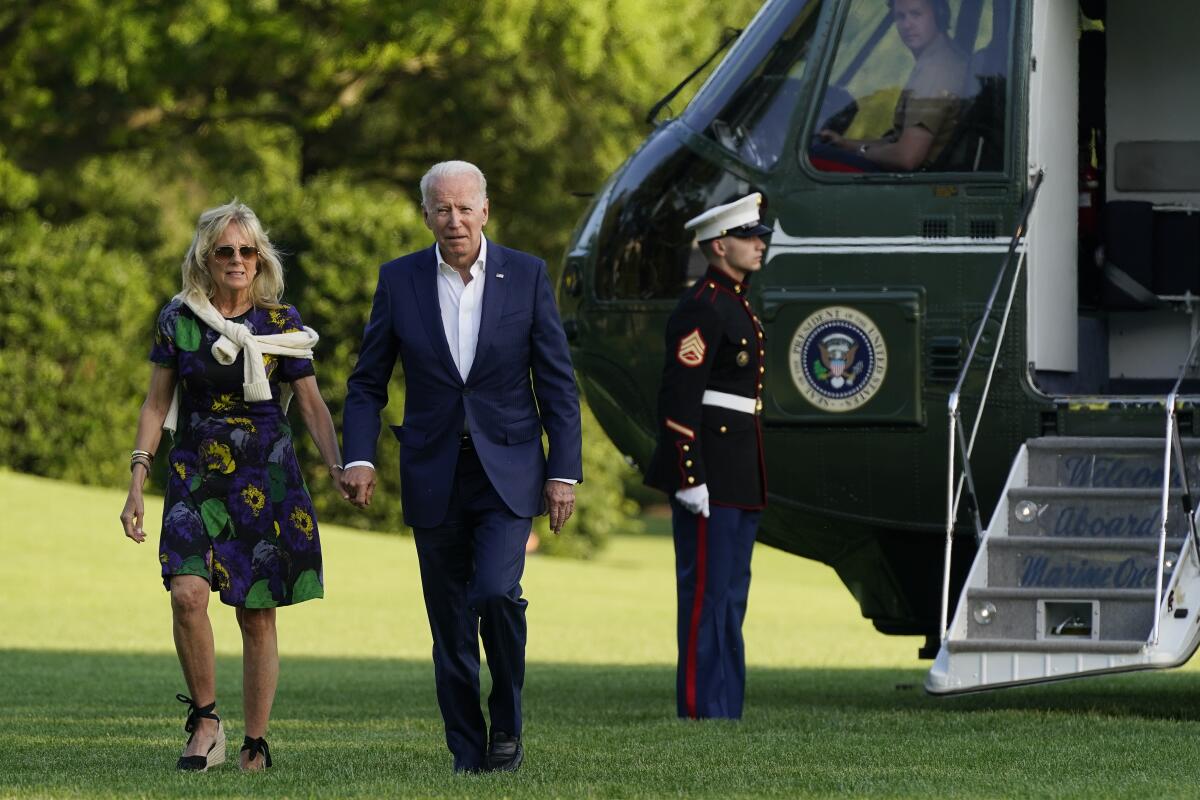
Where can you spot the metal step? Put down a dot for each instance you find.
(1020, 646)
(1020, 592)
(1096, 513)
(1038, 614)
(1116, 463)
(1074, 563)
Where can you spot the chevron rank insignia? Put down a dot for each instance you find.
(691, 349)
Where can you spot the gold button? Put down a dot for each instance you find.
(762, 352)
(724, 429)
(712, 285)
(737, 288)
(687, 463)
(760, 334)
(761, 370)
(686, 448)
(743, 342)
(691, 479)
(760, 387)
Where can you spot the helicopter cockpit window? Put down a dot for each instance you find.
(916, 85)
(756, 121)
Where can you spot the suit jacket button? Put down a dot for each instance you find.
(466, 392)
(691, 479)
(687, 463)
(686, 448)
(724, 429)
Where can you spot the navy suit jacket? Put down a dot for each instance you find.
(520, 382)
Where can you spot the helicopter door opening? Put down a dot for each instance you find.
(1130, 263)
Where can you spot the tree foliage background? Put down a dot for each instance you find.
(120, 121)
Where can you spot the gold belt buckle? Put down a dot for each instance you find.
(757, 406)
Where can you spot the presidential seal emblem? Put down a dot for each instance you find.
(838, 358)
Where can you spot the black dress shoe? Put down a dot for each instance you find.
(504, 752)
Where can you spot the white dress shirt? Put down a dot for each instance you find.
(461, 305)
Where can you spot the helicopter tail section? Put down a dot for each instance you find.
(1066, 580)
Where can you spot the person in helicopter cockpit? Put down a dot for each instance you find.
(931, 101)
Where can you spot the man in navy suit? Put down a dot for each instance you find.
(486, 369)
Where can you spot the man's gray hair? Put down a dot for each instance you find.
(451, 169)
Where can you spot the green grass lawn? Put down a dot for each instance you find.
(88, 677)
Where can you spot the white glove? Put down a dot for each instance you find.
(694, 499)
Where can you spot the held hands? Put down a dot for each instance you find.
(694, 499)
(336, 472)
(358, 485)
(560, 502)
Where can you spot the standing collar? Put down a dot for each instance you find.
(476, 268)
(725, 280)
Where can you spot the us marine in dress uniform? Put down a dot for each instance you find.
(709, 456)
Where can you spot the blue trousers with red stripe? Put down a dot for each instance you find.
(712, 576)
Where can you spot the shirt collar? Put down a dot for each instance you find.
(476, 268)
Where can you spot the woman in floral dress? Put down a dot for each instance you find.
(237, 517)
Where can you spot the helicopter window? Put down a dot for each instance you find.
(643, 252)
(916, 85)
(757, 120)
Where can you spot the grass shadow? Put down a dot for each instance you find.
(86, 724)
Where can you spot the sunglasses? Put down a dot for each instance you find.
(225, 252)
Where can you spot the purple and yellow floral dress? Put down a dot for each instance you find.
(237, 511)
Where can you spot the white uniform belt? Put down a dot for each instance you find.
(734, 402)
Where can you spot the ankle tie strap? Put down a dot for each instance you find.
(257, 747)
(196, 713)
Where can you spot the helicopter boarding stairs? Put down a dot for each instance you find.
(1065, 582)
(1089, 563)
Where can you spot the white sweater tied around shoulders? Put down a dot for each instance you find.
(232, 339)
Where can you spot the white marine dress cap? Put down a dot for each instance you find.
(739, 218)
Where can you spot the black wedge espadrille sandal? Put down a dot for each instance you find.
(257, 747)
(216, 753)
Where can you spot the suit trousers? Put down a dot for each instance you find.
(471, 567)
(712, 578)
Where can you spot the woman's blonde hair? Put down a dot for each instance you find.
(266, 290)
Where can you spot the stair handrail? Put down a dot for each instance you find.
(957, 437)
(1173, 446)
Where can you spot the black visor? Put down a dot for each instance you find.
(752, 229)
